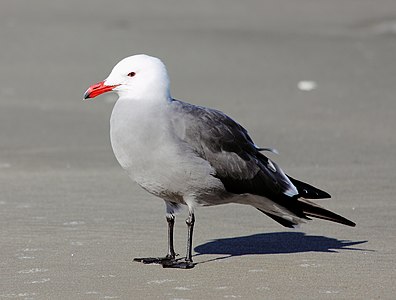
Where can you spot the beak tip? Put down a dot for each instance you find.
(98, 89)
(86, 96)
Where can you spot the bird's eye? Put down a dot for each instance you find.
(131, 74)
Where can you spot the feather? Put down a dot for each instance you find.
(243, 169)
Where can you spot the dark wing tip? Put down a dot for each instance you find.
(308, 191)
(314, 210)
(349, 223)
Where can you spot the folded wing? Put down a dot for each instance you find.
(243, 169)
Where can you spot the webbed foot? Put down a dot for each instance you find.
(178, 264)
(154, 260)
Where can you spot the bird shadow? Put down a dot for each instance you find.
(274, 243)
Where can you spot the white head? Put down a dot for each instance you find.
(138, 77)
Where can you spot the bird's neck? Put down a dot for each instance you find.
(139, 113)
(134, 130)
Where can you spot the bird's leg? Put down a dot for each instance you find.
(171, 223)
(190, 225)
(188, 262)
(170, 218)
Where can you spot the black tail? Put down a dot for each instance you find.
(280, 220)
(308, 191)
(314, 210)
(302, 208)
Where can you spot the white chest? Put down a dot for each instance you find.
(136, 134)
(145, 146)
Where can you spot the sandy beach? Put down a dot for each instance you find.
(314, 79)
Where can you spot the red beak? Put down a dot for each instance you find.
(98, 89)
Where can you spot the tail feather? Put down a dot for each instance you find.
(280, 220)
(291, 211)
(295, 211)
(314, 210)
(308, 191)
(309, 209)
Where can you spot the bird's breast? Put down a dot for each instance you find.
(135, 137)
(145, 146)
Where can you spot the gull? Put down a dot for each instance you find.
(195, 156)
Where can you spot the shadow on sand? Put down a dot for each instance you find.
(275, 243)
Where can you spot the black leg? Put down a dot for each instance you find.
(171, 223)
(190, 225)
(188, 262)
(170, 257)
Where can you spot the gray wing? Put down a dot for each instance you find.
(227, 146)
(241, 167)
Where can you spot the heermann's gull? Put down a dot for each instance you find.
(192, 155)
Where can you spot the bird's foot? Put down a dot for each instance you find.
(167, 262)
(178, 264)
(154, 260)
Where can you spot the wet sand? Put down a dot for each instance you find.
(71, 221)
